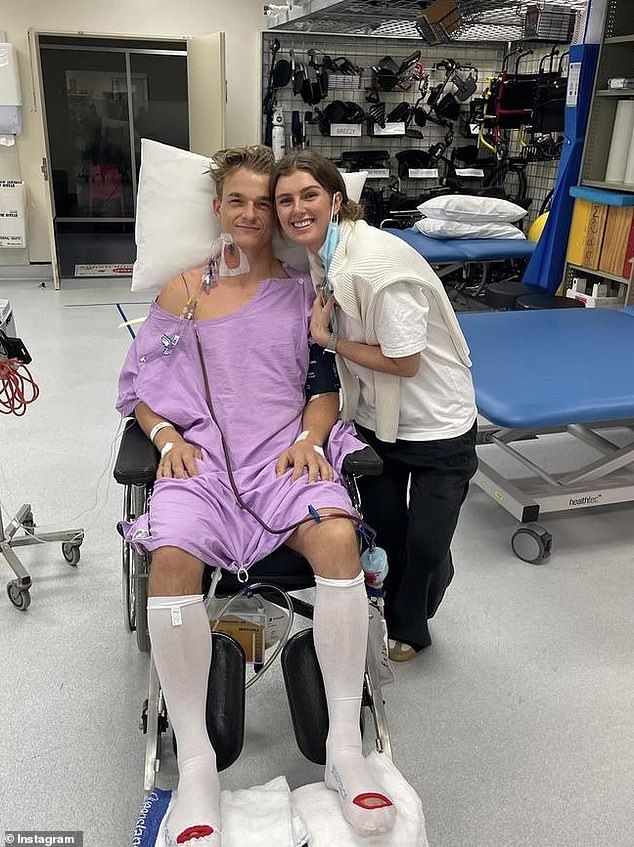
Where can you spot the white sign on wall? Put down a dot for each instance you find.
(12, 213)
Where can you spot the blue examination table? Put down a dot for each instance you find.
(554, 371)
(451, 254)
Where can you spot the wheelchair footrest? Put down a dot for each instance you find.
(226, 699)
(306, 695)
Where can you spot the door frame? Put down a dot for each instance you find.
(39, 106)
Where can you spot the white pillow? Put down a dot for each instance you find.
(457, 229)
(354, 183)
(465, 208)
(175, 223)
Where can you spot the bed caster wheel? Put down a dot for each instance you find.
(18, 595)
(532, 543)
(71, 552)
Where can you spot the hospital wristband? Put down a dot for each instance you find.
(157, 428)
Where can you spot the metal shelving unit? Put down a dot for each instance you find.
(616, 59)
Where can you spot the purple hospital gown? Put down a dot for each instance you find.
(257, 360)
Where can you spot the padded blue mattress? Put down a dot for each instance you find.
(442, 251)
(551, 368)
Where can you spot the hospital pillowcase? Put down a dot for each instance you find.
(459, 229)
(467, 209)
(175, 223)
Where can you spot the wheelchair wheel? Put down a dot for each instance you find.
(135, 570)
(129, 614)
(127, 584)
(139, 600)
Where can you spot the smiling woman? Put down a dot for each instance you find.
(404, 370)
(306, 208)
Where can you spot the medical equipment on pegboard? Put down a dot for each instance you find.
(10, 96)
(18, 389)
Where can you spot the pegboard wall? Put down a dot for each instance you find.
(365, 52)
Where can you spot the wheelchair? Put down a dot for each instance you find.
(282, 571)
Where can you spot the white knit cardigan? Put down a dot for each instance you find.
(365, 262)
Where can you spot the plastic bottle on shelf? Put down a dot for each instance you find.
(278, 142)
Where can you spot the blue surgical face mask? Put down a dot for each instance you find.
(331, 242)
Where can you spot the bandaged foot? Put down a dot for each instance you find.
(364, 803)
(193, 819)
(340, 631)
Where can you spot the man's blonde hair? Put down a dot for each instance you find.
(257, 158)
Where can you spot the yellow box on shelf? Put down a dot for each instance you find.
(578, 230)
(594, 235)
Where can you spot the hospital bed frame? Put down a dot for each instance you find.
(603, 481)
(135, 468)
(538, 373)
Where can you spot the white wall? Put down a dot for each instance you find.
(241, 20)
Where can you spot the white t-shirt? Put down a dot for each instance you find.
(439, 401)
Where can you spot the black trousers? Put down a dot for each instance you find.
(417, 536)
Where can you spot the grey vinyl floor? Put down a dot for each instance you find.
(515, 727)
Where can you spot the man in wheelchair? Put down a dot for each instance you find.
(216, 378)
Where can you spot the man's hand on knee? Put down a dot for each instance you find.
(304, 456)
(180, 462)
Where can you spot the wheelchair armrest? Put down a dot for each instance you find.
(364, 462)
(137, 459)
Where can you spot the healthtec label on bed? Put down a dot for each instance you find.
(46, 837)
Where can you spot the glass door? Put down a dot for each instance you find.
(88, 133)
(159, 100)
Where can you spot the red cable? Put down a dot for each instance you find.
(16, 384)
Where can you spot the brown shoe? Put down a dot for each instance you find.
(400, 652)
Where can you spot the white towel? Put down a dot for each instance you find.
(319, 809)
(270, 815)
(252, 817)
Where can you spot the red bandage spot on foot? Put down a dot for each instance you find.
(192, 832)
(361, 800)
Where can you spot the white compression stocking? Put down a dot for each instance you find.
(340, 630)
(181, 648)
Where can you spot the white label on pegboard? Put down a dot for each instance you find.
(423, 173)
(469, 172)
(12, 214)
(345, 130)
(378, 173)
(392, 128)
(573, 83)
